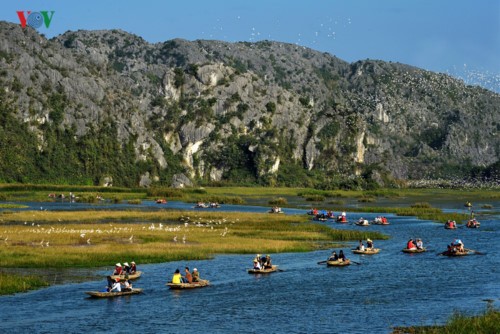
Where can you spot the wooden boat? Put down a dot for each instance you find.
(362, 223)
(367, 251)
(161, 201)
(98, 294)
(181, 286)
(130, 276)
(451, 254)
(263, 271)
(338, 263)
(272, 211)
(414, 250)
(473, 224)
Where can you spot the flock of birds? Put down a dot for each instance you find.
(86, 234)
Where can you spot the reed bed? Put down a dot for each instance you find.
(460, 323)
(278, 201)
(11, 283)
(39, 239)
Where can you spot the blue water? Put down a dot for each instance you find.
(387, 289)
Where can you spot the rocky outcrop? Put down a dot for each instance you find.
(183, 111)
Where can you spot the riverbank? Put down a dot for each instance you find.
(487, 322)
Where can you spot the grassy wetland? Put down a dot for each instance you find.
(89, 239)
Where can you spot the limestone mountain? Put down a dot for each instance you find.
(106, 106)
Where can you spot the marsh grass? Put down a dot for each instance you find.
(426, 213)
(460, 323)
(97, 238)
(366, 199)
(281, 201)
(486, 206)
(314, 198)
(11, 283)
(134, 201)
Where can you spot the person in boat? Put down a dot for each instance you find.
(361, 246)
(342, 256)
(177, 278)
(133, 268)
(117, 287)
(126, 268)
(196, 275)
(369, 244)
(410, 244)
(263, 261)
(256, 265)
(118, 269)
(419, 244)
(268, 264)
(127, 286)
(315, 211)
(109, 284)
(458, 245)
(333, 257)
(384, 220)
(188, 278)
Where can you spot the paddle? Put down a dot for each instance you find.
(474, 251)
(322, 262)
(358, 263)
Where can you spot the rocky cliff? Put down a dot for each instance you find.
(96, 106)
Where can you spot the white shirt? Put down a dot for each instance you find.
(116, 287)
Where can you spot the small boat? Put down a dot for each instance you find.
(272, 211)
(181, 286)
(201, 206)
(338, 263)
(414, 250)
(473, 224)
(161, 201)
(362, 222)
(320, 218)
(451, 254)
(136, 275)
(98, 294)
(367, 251)
(263, 271)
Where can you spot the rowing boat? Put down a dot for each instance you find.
(367, 251)
(414, 250)
(180, 286)
(451, 254)
(135, 275)
(98, 294)
(263, 271)
(362, 223)
(338, 263)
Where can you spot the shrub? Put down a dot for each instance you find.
(278, 201)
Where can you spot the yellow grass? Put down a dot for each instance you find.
(96, 238)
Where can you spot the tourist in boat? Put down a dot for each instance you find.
(127, 286)
(458, 245)
(361, 246)
(126, 268)
(342, 256)
(268, 264)
(196, 275)
(177, 278)
(419, 244)
(118, 269)
(410, 244)
(188, 278)
(333, 257)
(369, 244)
(256, 265)
(110, 283)
(117, 287)
(133, 268)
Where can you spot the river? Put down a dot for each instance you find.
(385, 290)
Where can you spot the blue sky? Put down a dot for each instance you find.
(461, 37)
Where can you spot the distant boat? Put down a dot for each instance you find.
(181, 286)
(98, 294)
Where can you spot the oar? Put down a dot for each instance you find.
(322, 262)
(474, 251)
(358, 263)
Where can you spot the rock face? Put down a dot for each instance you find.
(268, 112)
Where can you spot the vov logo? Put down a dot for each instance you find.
(35, 19)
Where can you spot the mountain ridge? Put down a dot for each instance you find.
(110, 106)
